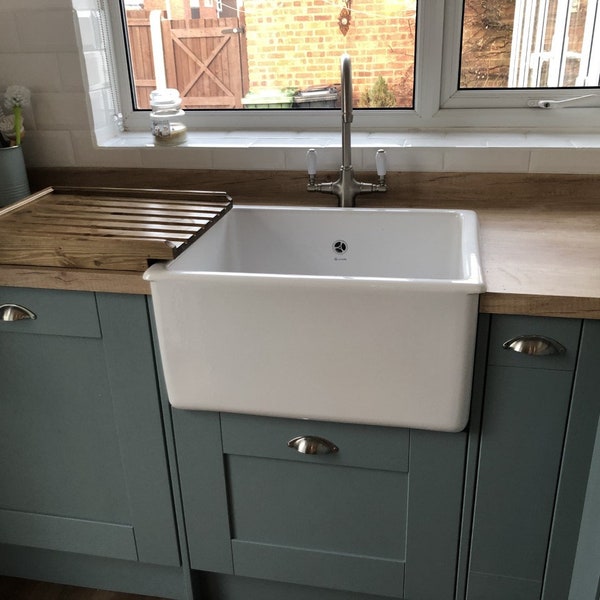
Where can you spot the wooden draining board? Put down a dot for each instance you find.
(105, 228)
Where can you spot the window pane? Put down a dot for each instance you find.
(530, 44)
(277, 54)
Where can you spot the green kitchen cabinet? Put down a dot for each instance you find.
(379, 517)
(83, 467)
(90, 489)
(533, 446)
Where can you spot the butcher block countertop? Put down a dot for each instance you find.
(539, 258)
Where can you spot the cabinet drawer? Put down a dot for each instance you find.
(358, 445)
(57, 312)
(564, 331)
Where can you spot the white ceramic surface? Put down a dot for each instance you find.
(264, 315)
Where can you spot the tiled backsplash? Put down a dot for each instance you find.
(39, 48)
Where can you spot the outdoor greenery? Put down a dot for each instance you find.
(379, 95)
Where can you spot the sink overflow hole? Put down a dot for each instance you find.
(339, 246)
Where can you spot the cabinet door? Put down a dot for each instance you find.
(574, 552)
(525, 410)
(71, 381)
(379, 516)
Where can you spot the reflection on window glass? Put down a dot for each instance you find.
(531, 44)
(223, 54)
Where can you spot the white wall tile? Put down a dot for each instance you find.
(84, 4)
(487, 160)
(9, 40)
(175, 158)
(38, 72)
(554, 160)
(102, 108)
(60, 111)
(90, 37)
(249, 158)
(14, 5)
(89, 155)
(415, 159)
(46, 30)
(48, 149)
(96, 71)
(71, 73)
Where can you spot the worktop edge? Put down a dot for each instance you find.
(120, 282)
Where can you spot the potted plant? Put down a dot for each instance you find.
(13, 175)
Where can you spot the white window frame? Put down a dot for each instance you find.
(439, 104)
(507, 108)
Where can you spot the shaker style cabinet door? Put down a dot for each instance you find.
(82, 466)
(526, 405)
(370, 511)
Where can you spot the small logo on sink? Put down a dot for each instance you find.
(340, 247)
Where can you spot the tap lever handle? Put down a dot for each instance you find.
(381, 163)
(311, 161)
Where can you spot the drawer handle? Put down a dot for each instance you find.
(14, 312)
(535, 345)
(310, 444)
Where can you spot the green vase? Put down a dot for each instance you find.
(13, 176)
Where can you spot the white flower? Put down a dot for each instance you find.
(16, 95)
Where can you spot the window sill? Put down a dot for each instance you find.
(432, 151)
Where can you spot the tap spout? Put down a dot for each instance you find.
(347, 116)
(346, 72)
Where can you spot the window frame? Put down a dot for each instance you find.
(438, 103)
(523, 103)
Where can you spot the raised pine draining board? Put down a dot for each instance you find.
(105, 228)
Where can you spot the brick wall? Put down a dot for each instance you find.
(298, 43)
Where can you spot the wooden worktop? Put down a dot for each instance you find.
(121, 229)
(539, 235)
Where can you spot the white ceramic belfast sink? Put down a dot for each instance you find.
(350, 315)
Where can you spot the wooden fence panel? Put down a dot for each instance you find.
(140, 50)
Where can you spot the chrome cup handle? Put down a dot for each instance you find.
(14, 312)
(310, 444)
(534, 345)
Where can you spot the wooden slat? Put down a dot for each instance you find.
(135, 220)
(83, 232)
(105, 228)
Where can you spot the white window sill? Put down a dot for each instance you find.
(324, 139)
(429, 151)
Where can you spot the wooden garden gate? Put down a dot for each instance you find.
(205, 59)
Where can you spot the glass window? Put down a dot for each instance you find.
(530, 44)
(258, 54)
(257, 65)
